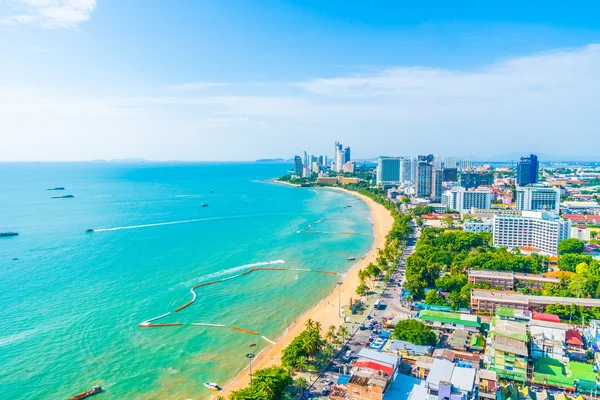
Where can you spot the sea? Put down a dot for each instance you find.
(71, 300)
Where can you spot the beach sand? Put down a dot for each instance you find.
(326, 311)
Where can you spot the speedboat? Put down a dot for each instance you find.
(351, 258)
(3, 234)
(91, 392)
(203, 205)
(89, 230)
(212, 386)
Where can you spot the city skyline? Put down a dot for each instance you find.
(87, 79)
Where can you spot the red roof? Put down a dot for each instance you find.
(545, 317)
(573, 337)
(580, 218)
(389, 370)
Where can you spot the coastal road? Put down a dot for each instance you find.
(392, 309)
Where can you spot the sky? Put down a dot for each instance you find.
(241, 80)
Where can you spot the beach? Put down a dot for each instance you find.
(326, 311)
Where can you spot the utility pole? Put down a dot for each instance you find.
(340, 299)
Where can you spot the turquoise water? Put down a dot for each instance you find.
(72, 301)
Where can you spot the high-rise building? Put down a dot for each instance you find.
(470, 179)
(426, 158)
(338, 157)
(464, 165)
(348, 167)
(538, 229)
(462, 200)
(346, 155)
(436, 185)
(413, 170)
(388, 171)
(298, 165)
(538, 198)
(450, 162)
(423, 183)
(527, 170)
(405, 170)
(323, 161)
(450, 174)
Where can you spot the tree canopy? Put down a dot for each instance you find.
(415, 332)
(570, 246)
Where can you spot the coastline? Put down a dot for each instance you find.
(326, 311)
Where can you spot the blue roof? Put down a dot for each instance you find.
(415, 348)
(343, 379)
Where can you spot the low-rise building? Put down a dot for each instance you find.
(510, 280)
(507, 352)
(478, 226)
(487, 384)
(448, 381)
(450, 321)
(488, 300)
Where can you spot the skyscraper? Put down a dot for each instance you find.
(405, 170)
(527, 170)
(423, 183)
(388, 171)
(338, 157)
(436, 185)
(464, 165)
(470, 179)
(298, 165)
(450, 162)
(346, 155)
(450, 174)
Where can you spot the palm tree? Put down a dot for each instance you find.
(310, 323)
(332, 329)
(343, 332)
(301, 383)
(329, 336)
(317, 326)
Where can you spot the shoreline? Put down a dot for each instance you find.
(323, 311)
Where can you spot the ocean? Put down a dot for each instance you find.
(71, 301)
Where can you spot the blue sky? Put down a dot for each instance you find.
(240, 80)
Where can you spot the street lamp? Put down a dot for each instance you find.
(250, 356)
(340, 299)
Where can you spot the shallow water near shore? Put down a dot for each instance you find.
(72, 301)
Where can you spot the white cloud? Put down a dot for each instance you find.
(50, 14)
(194, 86)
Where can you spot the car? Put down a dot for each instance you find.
(362, 327)
(328, 381)
(325, 391)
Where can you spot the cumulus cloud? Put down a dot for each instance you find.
(50, 14)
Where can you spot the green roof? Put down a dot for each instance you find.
(505, 312)
(477, 342)
(450, 318)
(511, 375)
(551, 372)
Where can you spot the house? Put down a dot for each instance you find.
(548, 339)
(371, 375)
(507, 353)
(448, 381)
(487, 384)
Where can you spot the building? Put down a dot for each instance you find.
(581, 232)
(507, 353)
(388, 171)
(346, 156)
(424, 179)
(489, 300)
(446, 380)
(348, 167)
(464, 165)
(482, 213)
(405, 170)
(548, 339)
(338, 157)
(371, 374)
(450, 174)
(436, 185)
(470, 179)
(462, 200)
(538, 229)
(487, 384)
(450, 321)
(538, 198)
(298, 166)
(323, 161)
(505, 280)
(527, 170)
(478, 227)
(327, 180)
(426, 158)
(450, 162)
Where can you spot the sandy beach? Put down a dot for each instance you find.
(326, 311)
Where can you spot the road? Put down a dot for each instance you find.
(390, 299)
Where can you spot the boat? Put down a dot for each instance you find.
(203, 205)
(351, 258)
(57, 188)
(89, 230)
(211, 191)
(96, 389)
(212, 386)
(66, 196)
(3, 234)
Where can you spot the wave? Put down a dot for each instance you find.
(240, 268)
(6, 340)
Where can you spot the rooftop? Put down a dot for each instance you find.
(377, 356)
(510, 345)
(526, 300)
(510, 329)
(450, 318)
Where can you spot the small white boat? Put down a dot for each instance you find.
(351, 258)
(212, 386)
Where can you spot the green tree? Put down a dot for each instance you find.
(432, 297)
(414, 331)
(447, 221)
(570, 246)
(301, 384)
